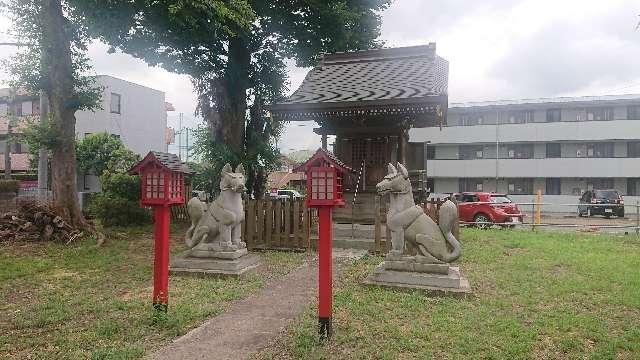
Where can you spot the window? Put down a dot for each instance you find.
(520, 186)
(554, 115)
(4, 109)
(633, 149)
(415, 157)
(600, 150)
(553, 150)
(632, 186)
(471, 119)
(16, 148)
(470, 152)
(27, 108)
(633, 112)
(431, 152)
(599, 184)
(553, 186)
(520, 117)
(520, 151)
(115, 103)
(599, 113)
(469, 184)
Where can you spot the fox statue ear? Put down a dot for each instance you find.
(240, 169)
(392, 169)
(227, 168)
(403, 170)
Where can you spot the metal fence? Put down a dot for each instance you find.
(534, 217)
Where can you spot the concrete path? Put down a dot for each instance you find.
(250, 324)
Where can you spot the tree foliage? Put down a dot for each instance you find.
(235, 52)
(101, 152)
(54, 63)
(29, 69)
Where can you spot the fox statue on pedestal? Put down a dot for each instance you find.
(412, 231)
(218, 228)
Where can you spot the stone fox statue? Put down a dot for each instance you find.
(218, 227)
(412, 231)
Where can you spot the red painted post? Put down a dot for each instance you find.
(325, 260)
(161, 260)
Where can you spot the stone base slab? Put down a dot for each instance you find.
(215, 251)
(415, 266)
(214, 266)
(451, 283)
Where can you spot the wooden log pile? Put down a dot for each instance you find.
(36, 221)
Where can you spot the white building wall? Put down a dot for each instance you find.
(445, 185)
(142, 119)
(140, 124)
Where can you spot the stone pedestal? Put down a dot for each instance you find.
(417, 272)
(216, 263)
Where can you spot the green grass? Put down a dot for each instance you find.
(535, 295)
(84, 302)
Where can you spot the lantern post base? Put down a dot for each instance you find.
(325, 328)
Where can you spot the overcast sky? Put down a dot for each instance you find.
(497, 49)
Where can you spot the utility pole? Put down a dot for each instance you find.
(180, 137)
(187, 146)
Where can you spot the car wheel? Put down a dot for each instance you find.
(481, 220)
(580, 214)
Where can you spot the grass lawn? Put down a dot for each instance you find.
(536, 295)
(80, 301)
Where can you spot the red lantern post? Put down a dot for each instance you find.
(162, 185)
(324, 174)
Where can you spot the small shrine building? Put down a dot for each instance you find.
(369, 100)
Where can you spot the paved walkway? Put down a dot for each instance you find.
(253, 323)
(250, 324)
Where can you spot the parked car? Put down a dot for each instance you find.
(484, 207)
(286, 194)
(601, 202)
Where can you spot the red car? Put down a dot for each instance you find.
(483, 207)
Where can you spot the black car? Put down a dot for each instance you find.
(601, 202)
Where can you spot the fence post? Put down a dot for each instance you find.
(538, 206)
(637, 217)
(377, 232)
(533, 214)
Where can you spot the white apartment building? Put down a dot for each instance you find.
(561, 146)
(134, 113)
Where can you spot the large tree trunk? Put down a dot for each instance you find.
(228, 119)
(56, 47)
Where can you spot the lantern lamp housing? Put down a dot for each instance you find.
(162, 179)
(324, 173)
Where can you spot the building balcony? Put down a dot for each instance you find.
(530, 132)
(534, 168)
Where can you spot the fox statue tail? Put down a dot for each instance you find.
(446, 220)
(195, 208)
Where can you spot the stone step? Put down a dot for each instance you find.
(350, 243)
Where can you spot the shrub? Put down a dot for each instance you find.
(121, 185)
(113, 210)
(119, 202)
(9, 186)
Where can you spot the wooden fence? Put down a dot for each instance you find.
(179, 213)
(382, 234)
(276, 224)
